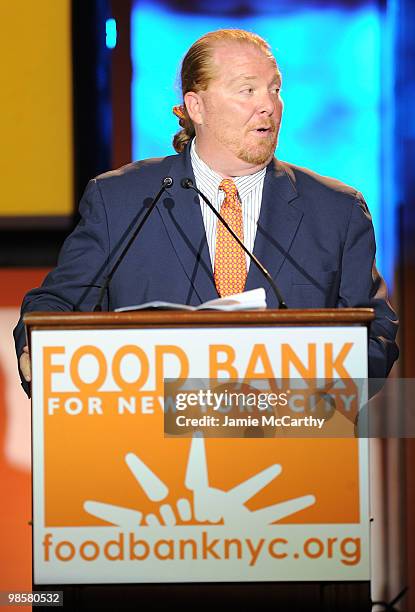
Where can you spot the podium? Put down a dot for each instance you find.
(117, 500)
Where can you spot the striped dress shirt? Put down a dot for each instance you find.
(250, 194)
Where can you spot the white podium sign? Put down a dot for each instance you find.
(115, 501)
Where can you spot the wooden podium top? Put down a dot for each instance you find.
(200, 318)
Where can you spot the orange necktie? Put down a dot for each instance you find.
(230, 262)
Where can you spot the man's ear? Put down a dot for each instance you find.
(194, 105)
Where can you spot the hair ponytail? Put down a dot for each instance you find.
(185, 135)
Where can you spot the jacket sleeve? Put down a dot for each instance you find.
(82, 264)
(363, 286)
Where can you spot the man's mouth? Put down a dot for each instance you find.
(263, 131)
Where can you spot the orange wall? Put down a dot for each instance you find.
(15, 484)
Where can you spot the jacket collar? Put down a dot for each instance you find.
(182, 217)
(277, 225)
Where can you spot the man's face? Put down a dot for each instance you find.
(241, 108)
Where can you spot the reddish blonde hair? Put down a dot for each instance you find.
(198, 70)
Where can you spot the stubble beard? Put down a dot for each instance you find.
(254, 154)
(260, 154)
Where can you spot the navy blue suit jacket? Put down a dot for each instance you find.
(315, 236)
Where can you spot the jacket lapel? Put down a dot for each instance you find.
(277, 225)
(182, 217)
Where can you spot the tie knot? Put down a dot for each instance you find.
(229, 187)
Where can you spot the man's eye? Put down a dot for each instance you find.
(247, 90)
(275, 90)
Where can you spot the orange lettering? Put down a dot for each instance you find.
(272, 546)
(88, 387)
(95, 552)
(288, 357)
(125, 385)
(134, 544)
(118, 546)
(216, 366)
(259, 354)
(171, 349)
(48, 367)
(169, 554)
(58, 553)
(332, 364)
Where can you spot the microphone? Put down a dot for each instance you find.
(165, 184)
(187, 183)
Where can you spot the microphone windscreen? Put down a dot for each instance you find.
(186, 183)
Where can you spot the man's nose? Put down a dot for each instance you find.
(266, 103)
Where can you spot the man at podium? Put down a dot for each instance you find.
(313, 233)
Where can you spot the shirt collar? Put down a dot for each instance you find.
(203, 173)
